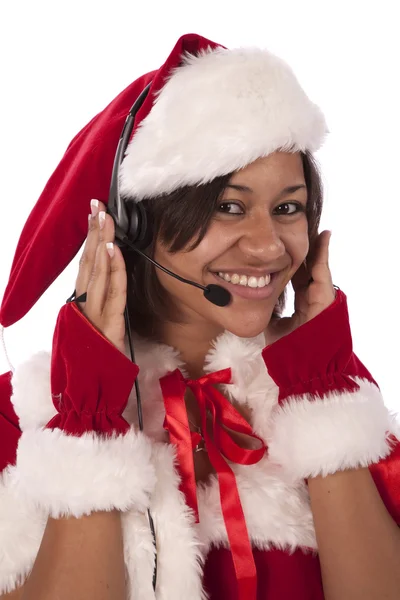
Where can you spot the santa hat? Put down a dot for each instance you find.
(209, 111)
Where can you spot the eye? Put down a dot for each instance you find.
(296, 208)
(230, 208)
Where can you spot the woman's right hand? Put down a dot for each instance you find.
(102, 275)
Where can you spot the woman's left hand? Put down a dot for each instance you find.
(313, 289)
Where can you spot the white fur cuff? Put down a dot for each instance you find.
(74, 476)
(312, 437)
(21, 531)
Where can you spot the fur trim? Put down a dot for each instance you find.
(180, 554)
(251, 384)
(21, 531)
(31, 392)
(312, 437)
(138, 555)
(243, 104)
(180, 575)
(74, 476)
(277, 511)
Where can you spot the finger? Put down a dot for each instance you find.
(87, 259)
(97, 288)
(319, 269)
(322, 248)
(116, 296)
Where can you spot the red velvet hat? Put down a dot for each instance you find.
(209, 111)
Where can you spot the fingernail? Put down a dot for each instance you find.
(110, 249)
(94, 205)
(102, 219)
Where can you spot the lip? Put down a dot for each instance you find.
(247, 292)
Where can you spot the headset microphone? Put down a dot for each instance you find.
(217, 295)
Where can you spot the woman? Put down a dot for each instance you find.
(268, 467)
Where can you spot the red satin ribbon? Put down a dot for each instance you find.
(220, 446)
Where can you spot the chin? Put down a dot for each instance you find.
(249, 327)
(246, 332)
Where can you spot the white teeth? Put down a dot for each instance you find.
(225, 276)
(263, 281)
(253, 282)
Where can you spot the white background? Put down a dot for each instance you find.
(62, 62)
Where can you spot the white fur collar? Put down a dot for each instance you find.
(251, 383)
(285, 519)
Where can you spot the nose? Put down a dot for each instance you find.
(261, 239)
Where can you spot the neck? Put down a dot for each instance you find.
(193, 342)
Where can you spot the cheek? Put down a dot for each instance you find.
(297, 246)
(185, 264)
(216, 243)
(192, 264)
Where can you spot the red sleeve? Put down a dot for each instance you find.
(9, 428)
(317, 357)
(94, 403)
(386, 475)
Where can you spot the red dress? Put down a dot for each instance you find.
(280, 576)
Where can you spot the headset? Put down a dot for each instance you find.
(130, 219)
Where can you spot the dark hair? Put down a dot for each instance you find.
(180, 219)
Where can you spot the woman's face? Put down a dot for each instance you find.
(260, 227)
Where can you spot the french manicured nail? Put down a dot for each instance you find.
(110, 249)
(94, 206)
(102, 219)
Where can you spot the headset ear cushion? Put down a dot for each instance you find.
(140, 232)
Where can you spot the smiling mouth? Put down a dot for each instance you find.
(246, 280)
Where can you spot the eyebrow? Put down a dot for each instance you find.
(287, 190)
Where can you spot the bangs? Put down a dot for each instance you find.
(181, 219)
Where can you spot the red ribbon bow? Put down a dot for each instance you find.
(220, 446)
